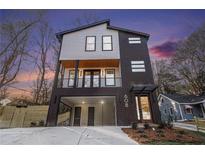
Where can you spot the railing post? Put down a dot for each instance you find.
(76, 73)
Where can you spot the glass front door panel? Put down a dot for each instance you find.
(71, 78)
(87, 81)
(145, 108)
(110, 77)
(96, 79)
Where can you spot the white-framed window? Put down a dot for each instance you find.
(134, 40)
(107, 43)
(188, 110)
(90, 44)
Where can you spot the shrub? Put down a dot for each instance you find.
(159, 131)
(170, 126)
(41, 123)
(182, 132)
(134, 125)
(161, 126)
(33, 124)
(144, 136)
(140, 130)
(146, 126)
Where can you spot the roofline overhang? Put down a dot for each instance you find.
(59, 35)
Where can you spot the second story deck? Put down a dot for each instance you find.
(90, 74)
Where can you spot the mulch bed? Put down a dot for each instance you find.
(165, 135)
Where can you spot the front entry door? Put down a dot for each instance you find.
(91, 111)
(91, 78)
(143, 108)
(77, 116)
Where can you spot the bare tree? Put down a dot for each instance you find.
(14, 36)
(86, 18)
(185, 72)
(165, 77)
(44, 47)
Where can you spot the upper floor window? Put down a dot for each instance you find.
(90, 43)
(107, 43)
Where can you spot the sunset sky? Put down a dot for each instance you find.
(166, 28)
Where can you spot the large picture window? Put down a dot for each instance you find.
(71, 78)
(107, 43)
(110, 77)
(90, 43)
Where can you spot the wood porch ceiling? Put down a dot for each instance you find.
(91, 63)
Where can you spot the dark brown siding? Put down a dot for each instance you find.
(128, 53)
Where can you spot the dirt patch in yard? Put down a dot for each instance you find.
(165, 136)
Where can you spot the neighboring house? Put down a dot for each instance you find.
(5, 101)
(103, 77)
(181, 107)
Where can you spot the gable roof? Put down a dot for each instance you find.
(186, 99)
(107, 21)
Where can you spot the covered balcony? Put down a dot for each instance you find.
(89, 74)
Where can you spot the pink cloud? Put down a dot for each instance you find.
(31, 76)
(164, 50)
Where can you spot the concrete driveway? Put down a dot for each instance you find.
(65, 135)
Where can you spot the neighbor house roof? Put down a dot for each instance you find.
(186, 99)
(107, 21)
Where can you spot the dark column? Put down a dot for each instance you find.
(76, 73)
(53, 111)
(53, 105)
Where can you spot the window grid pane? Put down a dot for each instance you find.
(107, 43)
(90, 43)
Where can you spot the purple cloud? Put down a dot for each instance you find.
(165, 50)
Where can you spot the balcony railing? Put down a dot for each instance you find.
(90, 82)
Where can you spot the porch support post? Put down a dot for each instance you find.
(76, 73)
(202, 109)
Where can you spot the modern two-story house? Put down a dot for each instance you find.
(103, 77)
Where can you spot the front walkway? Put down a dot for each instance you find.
(65, 135)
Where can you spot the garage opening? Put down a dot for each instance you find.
(87, 111)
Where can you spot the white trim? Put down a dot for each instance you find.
(134, 38)
(138, 66)
(137, 62)
(134, 42)
(138, 70)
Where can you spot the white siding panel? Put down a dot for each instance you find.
(73, 44)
